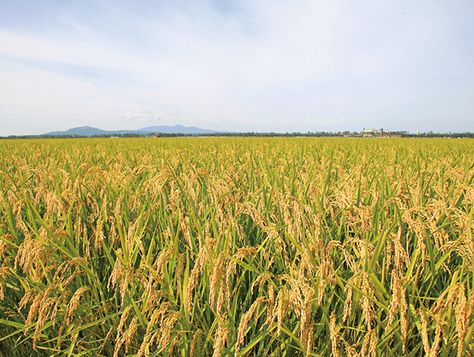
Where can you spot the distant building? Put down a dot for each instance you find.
(380, 133)
(370, 133)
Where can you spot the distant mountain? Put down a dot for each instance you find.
(164, 129)
(79, 131)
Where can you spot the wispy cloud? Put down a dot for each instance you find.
(249, 65)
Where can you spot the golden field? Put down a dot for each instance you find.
(237, 246)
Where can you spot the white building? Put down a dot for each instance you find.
(371, 132)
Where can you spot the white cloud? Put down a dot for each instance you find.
(303, 65)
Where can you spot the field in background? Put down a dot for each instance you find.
(246, 246)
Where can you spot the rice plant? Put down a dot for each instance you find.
(237, 246)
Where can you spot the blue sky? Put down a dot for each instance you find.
(237, 65)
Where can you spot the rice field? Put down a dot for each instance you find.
(237, 247)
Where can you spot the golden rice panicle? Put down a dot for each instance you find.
(367, 306)
(333, 334)
(144, 349)
(34, 308)
(306, 310)
(424, 333)
(215, 281)
(99, 236)
(120, 336)
(437, 340)
(347, 303)
(167, 327)
(245, 319)
(463, 314)
(199, 263)
(399, 305)
(74, 303)
(130, 333)
(3, 274)
(3, 248)
(121, 275)
(281, 308)
(221, 336)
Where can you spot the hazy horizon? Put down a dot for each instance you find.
(237, 66)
